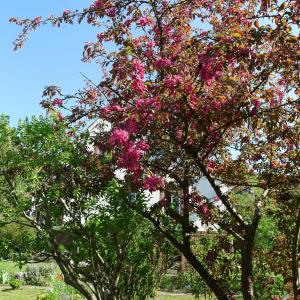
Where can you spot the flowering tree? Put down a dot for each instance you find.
(194, 89)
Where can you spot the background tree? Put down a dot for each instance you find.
(52, 182)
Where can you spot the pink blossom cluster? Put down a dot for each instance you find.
(36, 21)
(57, 102)
(147, 103)
(137, 84)
(144, 21)
(142, 145)
(129, 157)
(256, 105)
(131, 126)
(150, 44)
(171, 81)
(209, 68)
(179, 134)
(112, 11)
(66, 12)
(138, 68)
(98, 4)
(211, 165)
(129, 153)
(153, 183)
(127, 23)
(163, 63)
(137, 76)
(112, 108)
(119, 137)
(149, 50)
(200, 206)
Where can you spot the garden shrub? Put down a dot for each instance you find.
(38, 275)
(15, 284)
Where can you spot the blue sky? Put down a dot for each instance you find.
(51, 56)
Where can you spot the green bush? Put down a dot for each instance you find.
(15, 284)
(167, 282)
(38, 275)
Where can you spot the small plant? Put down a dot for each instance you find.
(60, 290)
(4, 277)
(15, 284)
(46, 296)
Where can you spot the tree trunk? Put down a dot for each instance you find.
(247, 273)
(211, 282)
(204, 274)
(247, 258)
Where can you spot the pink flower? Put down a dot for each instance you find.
(172, 81)
(153, 183)
(165, 3)
(131, 126)
(112, 108)
(99, 36)
(129, 158)
(179, 134)
(57, 102)
(66, 12)
(256, 103)
(211, 165)
(142, 145)
(119, 137)
(127, 23)
(137, 84)
(36, 21)
(150, 44)
(98, 4)
(196, 199)
(204, 209)
(209, 68)
(144, 21)
(111, 12)
(138, 68)
(149, 53)
(146, 104)
(163, 63)
(216, 105)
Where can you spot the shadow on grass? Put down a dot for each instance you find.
(8, 290)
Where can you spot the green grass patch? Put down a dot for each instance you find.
(24, 293)
(170, 296)
(10, 267)
(13, 267)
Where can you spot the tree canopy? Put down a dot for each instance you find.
(194, 89)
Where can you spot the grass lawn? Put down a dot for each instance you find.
(24, 293)
(12, 267)
(170, 296)
(31, 293)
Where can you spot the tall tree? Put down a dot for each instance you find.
(194, 89)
